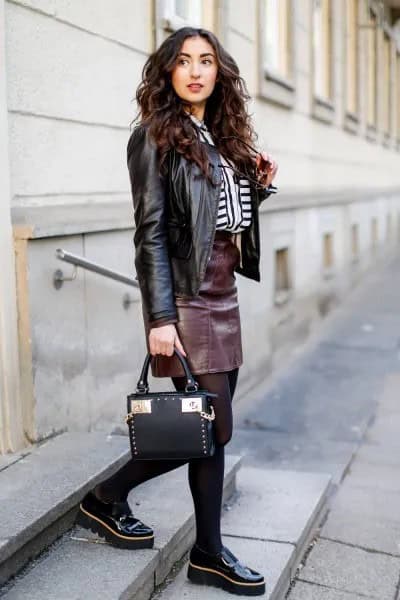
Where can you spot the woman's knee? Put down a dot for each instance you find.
(223, 437)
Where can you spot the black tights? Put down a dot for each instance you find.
(206, 475)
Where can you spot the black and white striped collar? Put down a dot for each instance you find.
(200, 124)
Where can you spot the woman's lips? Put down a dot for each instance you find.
(195, 87)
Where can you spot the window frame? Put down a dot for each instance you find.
(374, 234)
(168, 20)
(387, 78)
(397, 97)
(323, 107)
(355, 242)
(282, 259)
(328, 257)
(274, 86)
(352, 113)
(372, 126)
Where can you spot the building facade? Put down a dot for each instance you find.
(324, 76)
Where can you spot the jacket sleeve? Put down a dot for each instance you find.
(152, 260)
(266, 192)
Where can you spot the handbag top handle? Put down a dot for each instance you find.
(143, 385)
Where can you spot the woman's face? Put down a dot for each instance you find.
(194, 74)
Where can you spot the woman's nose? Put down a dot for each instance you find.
(195, 71)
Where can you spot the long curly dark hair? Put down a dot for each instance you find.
(225, 114)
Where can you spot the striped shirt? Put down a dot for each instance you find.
(234, 208)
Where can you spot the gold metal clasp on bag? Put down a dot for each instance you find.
(140, 406)
(209, 417)
(191, 405)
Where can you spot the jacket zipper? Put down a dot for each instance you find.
(210, 243)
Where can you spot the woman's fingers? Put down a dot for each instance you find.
(178, 345)
(161, 340)
(267, 167)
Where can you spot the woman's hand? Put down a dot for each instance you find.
(266, 168)
(162, 340)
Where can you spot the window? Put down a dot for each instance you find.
(398, 94)
(181, 8)
(355, 243)
(328, 257)
(323, 108)
(388, 227)
(174, 14)
(352, 56)
(371, 70)
(398, 227)
(282, 275)
(276, 31)
(322, 48)
(386, 85)
(374, 233)
(276, 51)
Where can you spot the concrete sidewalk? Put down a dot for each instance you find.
(312, 414)
(335, 408)
(357, 554)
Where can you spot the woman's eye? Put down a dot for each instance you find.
(181, 61)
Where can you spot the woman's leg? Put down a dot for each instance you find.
(134, 472)
(206, 475)
(232, 377)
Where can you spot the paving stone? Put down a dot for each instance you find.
(271, 559)
(276, 505)
(308, 591)
(386, 428)
(352, 570)
(380, 477)
(373, 533)
(166, 504)
(368, 502)
(377, 453)
(280, 450)
(7, 460)
(371, 330)
(77, 570)
(97, 570)
(389, 403)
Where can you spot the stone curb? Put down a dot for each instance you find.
(36, 506)
(78, 562)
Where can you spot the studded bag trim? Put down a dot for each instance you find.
(167, 425)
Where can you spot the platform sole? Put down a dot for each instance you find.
(206, 576)
(96, 525)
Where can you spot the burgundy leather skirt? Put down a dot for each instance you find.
(209, 323)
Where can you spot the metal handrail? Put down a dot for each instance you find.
(79, 261)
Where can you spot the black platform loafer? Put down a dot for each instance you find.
(225, 571)
(115, 523)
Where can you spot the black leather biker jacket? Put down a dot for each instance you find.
(175, 217)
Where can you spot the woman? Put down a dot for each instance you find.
(196, 187)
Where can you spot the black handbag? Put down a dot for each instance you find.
(165, 425)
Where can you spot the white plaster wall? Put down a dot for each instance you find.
(73, 70)
(54, 161)
(122, 24)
